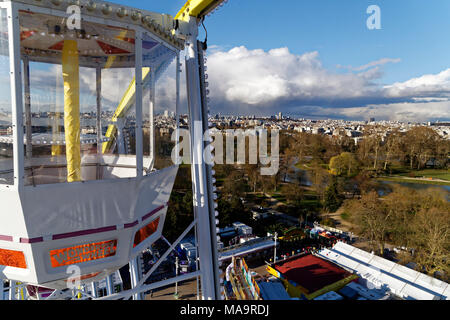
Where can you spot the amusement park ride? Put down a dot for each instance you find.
(93, 202)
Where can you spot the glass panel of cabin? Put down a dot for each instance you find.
(6, 133)
(159, 102)
(80, 115)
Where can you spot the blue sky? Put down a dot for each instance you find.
(416, 31)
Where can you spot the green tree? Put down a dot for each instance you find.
(332, 199)
(344, 164)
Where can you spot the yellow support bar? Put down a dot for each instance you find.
(56, 149)
(127, 101)
(197, 8)
(71, 76)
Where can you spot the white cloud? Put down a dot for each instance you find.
(372, 64)
(413, 112)
(259, 81)
(257, 77)
(265, 82)
(436, 85)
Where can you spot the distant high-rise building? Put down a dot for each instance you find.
(280, 116)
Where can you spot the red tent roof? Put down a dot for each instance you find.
(311, 272)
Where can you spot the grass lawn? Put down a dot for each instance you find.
(311, 204)
(279, 197)
(301, 166)
(425, 176)
(307, 166)
(310, 195)
(345, 216)
(415, 181)
(429, 173)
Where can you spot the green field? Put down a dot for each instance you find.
(279, 197)
(345, 216)
(429, 173)
(301, 166)
(415, 181)
(425, 176)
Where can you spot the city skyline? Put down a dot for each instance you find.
(319, 59)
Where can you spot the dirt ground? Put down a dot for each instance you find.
(186, 291)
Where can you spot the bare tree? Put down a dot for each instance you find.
(421, 143)
(372, 219)
(432, 238)
(392, 147)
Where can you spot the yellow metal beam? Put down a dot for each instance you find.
(197, 9)
(127, 101)
(70, 68)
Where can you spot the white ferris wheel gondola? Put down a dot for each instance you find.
(64, 204)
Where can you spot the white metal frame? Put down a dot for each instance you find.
(16, 83)
(16, 95)
(7, 6)
(202, 183)
(138, 77)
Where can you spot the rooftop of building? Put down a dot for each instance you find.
(311, 272)
(273, 290)
(381, 274)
